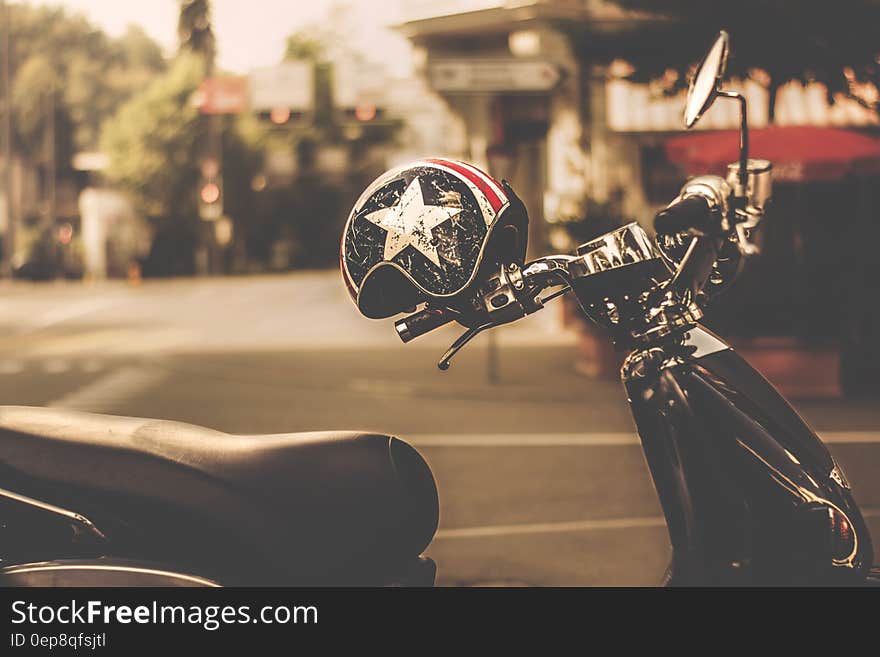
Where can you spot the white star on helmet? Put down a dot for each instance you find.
(410, 223)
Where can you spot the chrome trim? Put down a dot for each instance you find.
(29, 568)
(55, 510)
(807, 496)
(627, 245)
(704, 341)
(403, 331)
(759, 182)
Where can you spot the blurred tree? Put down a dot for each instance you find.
(153, 145)
(306, 45)
(151, 141)
(90, 74)
(194, 29)
(774, 42)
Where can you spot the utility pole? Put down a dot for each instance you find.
(215, 155)
(50, 157)
(10, 237)
(195, 34)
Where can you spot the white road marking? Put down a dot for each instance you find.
(521, 439)
(56, 366)
(92, 365)
(11, 367)
(107, 391)
(64, 313)
(571, 526)
(550, 527)
(583, 439)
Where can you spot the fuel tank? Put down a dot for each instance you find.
(750, 493)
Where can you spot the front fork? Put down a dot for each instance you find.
(750, 494)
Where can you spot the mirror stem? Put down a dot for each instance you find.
(743, 137)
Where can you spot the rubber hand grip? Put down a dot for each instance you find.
(693, 212)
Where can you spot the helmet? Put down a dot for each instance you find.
(423, 232)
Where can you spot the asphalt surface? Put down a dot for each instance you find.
(541, 478)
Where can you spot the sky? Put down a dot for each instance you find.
(251, 33)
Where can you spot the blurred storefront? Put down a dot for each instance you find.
(541, 87)
(510, 74)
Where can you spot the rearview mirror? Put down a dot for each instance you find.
(706, 81)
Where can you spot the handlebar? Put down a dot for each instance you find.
(705, 219)
(693, 212)
(701, 211)
(422, 322)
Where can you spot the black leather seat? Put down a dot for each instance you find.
(309, 506)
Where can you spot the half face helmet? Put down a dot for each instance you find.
(424, 232)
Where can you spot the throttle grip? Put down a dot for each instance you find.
(422, 322)
(693, 212)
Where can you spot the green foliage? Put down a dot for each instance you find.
(194, 29)
(306, 45)
(91, 75)
(152, 141)
(34, 81)
(775, 41)
(156, 140)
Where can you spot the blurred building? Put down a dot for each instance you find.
(40, 203)
(565, 127)
(541, 88)
(536, 112)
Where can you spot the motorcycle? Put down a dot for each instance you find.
(750, 494)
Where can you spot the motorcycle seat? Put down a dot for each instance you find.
(309, 505)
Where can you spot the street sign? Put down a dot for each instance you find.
(493, 75)
(358, 84)
(290, 85)
(225, 95)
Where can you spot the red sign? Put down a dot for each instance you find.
(226, 95)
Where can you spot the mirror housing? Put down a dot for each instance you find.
(706, 83)
(705, 87)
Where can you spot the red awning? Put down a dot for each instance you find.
(798, 153)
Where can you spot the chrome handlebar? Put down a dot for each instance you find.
(637, 299)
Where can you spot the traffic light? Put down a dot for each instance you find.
(211, 198)
(364, 113)
(280, 116)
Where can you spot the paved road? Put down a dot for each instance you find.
(540, 475)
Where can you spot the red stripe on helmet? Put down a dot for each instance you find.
(479, 179)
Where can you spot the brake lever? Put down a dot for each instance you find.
(462, 340)
(511, 294)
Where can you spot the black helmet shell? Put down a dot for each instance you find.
(420, 233)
